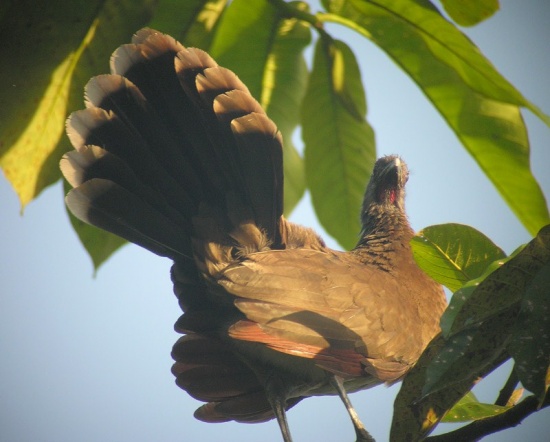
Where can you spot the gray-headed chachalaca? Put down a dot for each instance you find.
(173, 153)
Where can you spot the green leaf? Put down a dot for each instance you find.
(470, 12)
(504, 288)
(478, 341)
(339, 143)
(471, 351)
(480, 106)
(413, 416)
(285, 80)
(243, 41)
(416, 414)
(462, 295)
(51, 47)
(266, 51)
(487, 323)
(192, 22)
(454, 254)
(416, 410)
(530, 343)
(470, 409)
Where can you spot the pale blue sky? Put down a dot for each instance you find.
(88, 359)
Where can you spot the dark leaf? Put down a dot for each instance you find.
(530, 342)
(504, 288)
(478, 340)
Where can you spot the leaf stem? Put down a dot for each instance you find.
(290, 11)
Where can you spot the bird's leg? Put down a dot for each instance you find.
(362, 434)
(276, 395)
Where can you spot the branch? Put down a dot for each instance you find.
(508, 389)
(478, 429)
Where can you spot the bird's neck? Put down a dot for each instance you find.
(384, 232)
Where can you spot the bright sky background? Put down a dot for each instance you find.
(88, 359)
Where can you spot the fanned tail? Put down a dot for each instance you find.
(174, 154)
(174, 138)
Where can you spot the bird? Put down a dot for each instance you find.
(172, 153)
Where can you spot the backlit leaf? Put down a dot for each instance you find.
(54, 48)
(469, 409)
(480, 105)
(470, 12)
(191, 22)
(266, 51)
(339, 143)
(454, 254)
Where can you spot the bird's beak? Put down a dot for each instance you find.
(393, 171)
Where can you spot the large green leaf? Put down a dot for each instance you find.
(266, 51)
(339, 143)
(415, 413)
(488, 322)
(505, 287)
(243, 40)
(462, 295)
(454, 254)
(435, 384)
(52, 49)
(479, 105)
(471, 351)
(470, 12)
(192, 22)
(285, 80)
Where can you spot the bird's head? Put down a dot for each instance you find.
(385, 194)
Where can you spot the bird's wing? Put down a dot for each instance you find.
(326, 306)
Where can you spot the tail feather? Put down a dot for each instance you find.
(144, 175)
(191, 132)
(111, 207)
(249, 408)
(174, 154)
(121, 98)
(210, 372)
(259, 148)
